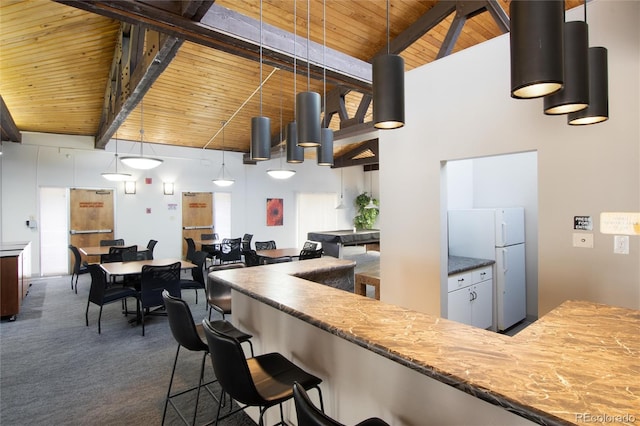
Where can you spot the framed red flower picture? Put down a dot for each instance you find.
(275, 211)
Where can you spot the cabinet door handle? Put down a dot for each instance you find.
(474, 295)
(460, 280)
(471, 296)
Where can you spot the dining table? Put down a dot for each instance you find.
(278, 253)
(134, 267)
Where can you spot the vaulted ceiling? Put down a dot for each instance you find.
(91, 67)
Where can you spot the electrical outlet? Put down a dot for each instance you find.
(621, 244)
(582, 240)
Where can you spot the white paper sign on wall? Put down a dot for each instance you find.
(620, 223)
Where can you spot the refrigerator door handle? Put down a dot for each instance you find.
(505, 267)
(503, 234)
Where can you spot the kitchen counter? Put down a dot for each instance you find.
(578, 364)
(459, 264)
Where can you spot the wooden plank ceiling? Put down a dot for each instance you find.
(72, 67)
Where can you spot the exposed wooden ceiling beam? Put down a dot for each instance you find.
(364, 154)
(234, 33)
(8, 128)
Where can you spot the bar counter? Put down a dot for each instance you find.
(578, 364)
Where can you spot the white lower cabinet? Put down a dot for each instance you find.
(470, 299)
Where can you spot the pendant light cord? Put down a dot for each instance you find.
(295, 58)
(388, 27)
(308, 63)
(324, 61)
(260, 58)
(585, 11)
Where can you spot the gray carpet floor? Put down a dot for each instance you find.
(56, 371)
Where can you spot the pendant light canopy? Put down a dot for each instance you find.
(223, 179)
(537, 45)
(260, 126)
(308, 106)
(598, 109)
(574, 95)
(141, 162)
(388, 88)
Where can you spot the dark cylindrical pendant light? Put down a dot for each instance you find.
(295, 153)
(308, 119)
(308, 105)
(260, 138)
(574, 95)
(537, 47)
(388, 88)
(388, 91)
(598, 109)
(325, 150)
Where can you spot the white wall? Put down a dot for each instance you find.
(459, 107)
(68, 161)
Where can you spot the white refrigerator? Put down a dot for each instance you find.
(496, 234)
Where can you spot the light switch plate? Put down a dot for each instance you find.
(583, 240)
(621, 244)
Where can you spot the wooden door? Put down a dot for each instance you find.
(91, 218)
(197, 216)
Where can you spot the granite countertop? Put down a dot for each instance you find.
(581, 359)
(459, 264)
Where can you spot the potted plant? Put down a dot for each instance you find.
(366, 217)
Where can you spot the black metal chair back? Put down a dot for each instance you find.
(310, 254)
(150, 246)
(128, 256)
(191, 248)
(78, 267)
(246, 242)
(153, 281)
(266, 245)
(230, 250)
(118, 242)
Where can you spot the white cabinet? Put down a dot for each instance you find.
(470, 299)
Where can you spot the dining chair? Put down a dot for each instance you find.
(79, 267)
(310, 415)
(230, 250)
(261, 381)
(310, 245)
(151, 245)
(106, 243)
(251, 258)
(191, 248)
(265, 245)
(246, 242)
(310, 254)
(212, 250)
(190, 337)
(154, 279)
(197, 274)
(101, 294)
